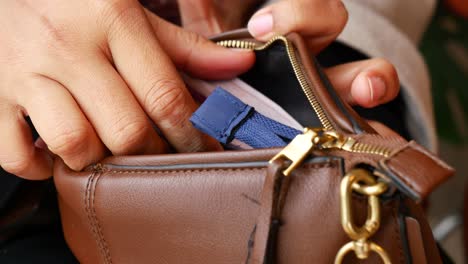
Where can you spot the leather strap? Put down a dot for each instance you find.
(274, 193)
(416, 171)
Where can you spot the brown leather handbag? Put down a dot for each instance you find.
(338, 193)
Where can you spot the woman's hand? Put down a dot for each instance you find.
(93, 76)
(367, 83)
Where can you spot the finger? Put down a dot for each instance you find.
(17, 152)
(111, 108)
(199, 16)
(319, 21)
(198, 56)
(61, 123)
(367, 83)
(156, 83)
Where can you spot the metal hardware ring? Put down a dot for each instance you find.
(352, 246)
(373, 218)
(376, 189)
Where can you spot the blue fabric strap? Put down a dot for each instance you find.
(225, 117)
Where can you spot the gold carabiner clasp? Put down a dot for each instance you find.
(349, 183)
(362, 250)
(363, 182)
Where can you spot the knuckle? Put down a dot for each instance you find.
(69, 142)
(165, 99)
(128, 137)
(118, 14)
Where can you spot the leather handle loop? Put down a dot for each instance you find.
(275, 189)
(415, 171)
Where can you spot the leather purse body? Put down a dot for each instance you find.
(337, 189)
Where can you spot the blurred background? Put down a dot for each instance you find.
(445, 48)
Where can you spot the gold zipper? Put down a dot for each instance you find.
(238, 44)
(300, 147)
(324, 138)
(308, 91)
(334, 140)
(294, 151)
(360, 147)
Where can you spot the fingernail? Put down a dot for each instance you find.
(377, 88)
(260, 24)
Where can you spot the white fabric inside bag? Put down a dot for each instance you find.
(248, 95)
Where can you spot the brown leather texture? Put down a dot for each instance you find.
(416, 212)
(419, 170)
(415, 240)
(275, 189)
(190, 208)
(222, 207)
(201, 215)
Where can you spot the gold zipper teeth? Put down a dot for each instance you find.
(357, 147)
(370, 149)
(237, 44)
(309, 93)
(241, 44)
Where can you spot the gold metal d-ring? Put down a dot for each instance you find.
(347, 220)
(362, 250)
(361, 181)
(376, 189)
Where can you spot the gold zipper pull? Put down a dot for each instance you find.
(335, 140)
(298, 149)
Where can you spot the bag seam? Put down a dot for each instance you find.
(93, 179)
(90, 209)
(406, 181)
(142, 171)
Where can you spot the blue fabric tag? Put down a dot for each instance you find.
(225, 117)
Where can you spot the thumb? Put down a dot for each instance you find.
(198, 56)
(317, 20)
(367, 83)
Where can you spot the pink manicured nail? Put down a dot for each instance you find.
(261, 24)
(377, 88)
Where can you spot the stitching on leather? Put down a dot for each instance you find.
(90, 197)
(92, 217)
(123, 171)
(89, 211)
(414, 146)
(104, 244)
